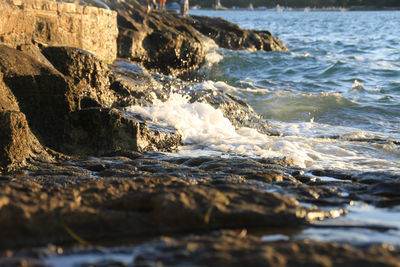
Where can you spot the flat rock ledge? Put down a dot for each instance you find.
(228, 248)
(215, 212)
(131, 195)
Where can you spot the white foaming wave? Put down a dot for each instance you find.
(226, 88)
(203, 126)
(313, 129)
(300, 54)
(212, 54)
(217, 86)
(213, 57)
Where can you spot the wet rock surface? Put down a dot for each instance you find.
(135, 195)
(222, 248)
(132, 195)
(239, 249)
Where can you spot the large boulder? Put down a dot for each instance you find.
(170, 44)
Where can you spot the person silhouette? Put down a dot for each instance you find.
(162, 4)
(184, 7)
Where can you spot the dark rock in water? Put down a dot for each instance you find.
(229, 248)
(17, 143)
(101, 131)
(89, 75)
(231, 36)
(158, 40)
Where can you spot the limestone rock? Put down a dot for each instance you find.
(231, 36)
(7, 99)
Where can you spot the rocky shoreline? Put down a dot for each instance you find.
(76, 168)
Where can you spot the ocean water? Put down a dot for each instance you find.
(334, 97)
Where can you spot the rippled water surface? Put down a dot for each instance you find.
(343, 68)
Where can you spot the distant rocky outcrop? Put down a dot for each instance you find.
(231, 36)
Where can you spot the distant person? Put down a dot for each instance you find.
(162, 4)
(184, 6)
(148, 5)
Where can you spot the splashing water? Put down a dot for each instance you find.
(205, 127)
